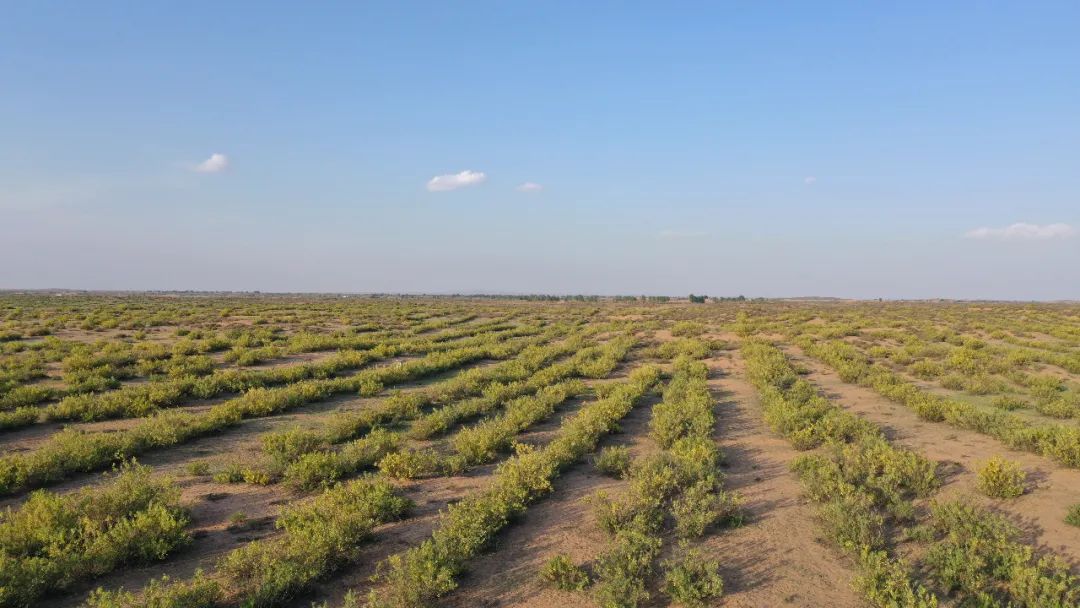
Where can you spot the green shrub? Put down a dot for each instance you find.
(199, 592)
(701, 506)
(233, 473)
(410, 464)
(887, 583)
(1072, 517)
(691, 580)
(976, 557)
(622, 571)
(684, 347)
(561, 572)
(687, 329)
(53, 541)
(613, 461)
(1009, 403)
(999, 478)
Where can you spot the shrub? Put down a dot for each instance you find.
(1072, 517)
(687, 329)
(55, 540)
(410, 464)
(622, 571)
(613, 461)
(691, 580)
(976, 557)
(199, 592)
(887, 583)
(999, 478)
(701, 507)
(1008, 403)
(237, 520)
(233, 473)
(561, 572)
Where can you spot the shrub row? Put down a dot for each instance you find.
(976, 557)
(593, 362)
(1056, 441)
(307, 460)
(681, 484)
(418, 576)
(139, 401)
(55, 540)
(482, 442)
(861, 480)
(317, 538)
(71, 451)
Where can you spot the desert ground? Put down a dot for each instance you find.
(239, 450)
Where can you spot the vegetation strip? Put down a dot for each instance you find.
(317, 537)
(71, 451)
(422, 574)
(865, 487)
(1062, 443)
(681, 484)
(53, 541)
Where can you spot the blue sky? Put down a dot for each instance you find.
(849, 149)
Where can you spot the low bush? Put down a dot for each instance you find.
(1072, 517)
(411, 464)
(976, 557)
(1008, 403)
(999, 478)
(613, 461)
(861, 481)
(692, 580)
(561, 572)
(53, 540)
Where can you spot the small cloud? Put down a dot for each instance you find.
(676, 234)
(1022, 231)
(453, 181)
(215, 164)
(529, 187)
(809, 180)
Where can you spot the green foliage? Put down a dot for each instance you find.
(692, 580)
(561, 572)
(197, 468)
(1072, 517)
(418, 576)
(411, 464)
(53, 541)
(861, 481)
(1009, 403)
(975, 556)
(886, 583)
(622, 571)
(999, 478)
(199, 592)
(687, 329)
(613, 461)
(1052, 440)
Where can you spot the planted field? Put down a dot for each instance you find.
(342, 452)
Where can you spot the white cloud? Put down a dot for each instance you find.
(530, 187)
(215, 164)
(676, 234)
(453, 181)
(1022, 231)
(809, 180)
